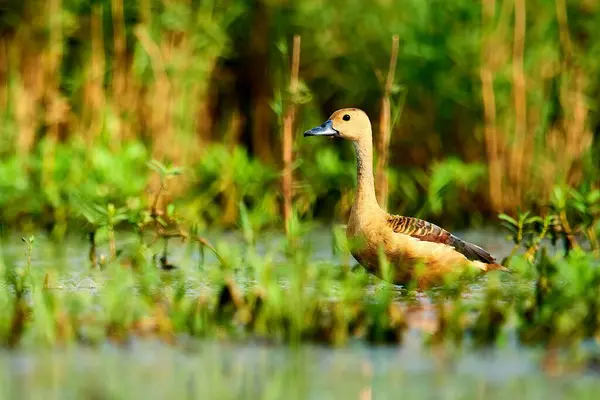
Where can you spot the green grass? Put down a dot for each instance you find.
(286, 296)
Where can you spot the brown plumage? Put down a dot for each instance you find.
(429, 232)
(406, 242)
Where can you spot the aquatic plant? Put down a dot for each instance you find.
(283, 296)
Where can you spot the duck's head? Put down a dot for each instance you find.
(348, 123)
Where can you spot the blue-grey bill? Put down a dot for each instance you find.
(326, 129)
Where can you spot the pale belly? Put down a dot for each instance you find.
(408, 259)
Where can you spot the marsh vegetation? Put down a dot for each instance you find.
(148, 161)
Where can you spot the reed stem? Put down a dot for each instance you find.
(518, 160)
(383, 144)
(489, 109)
(288, 126)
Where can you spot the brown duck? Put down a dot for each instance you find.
(406, 242)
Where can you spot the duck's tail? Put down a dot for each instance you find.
(498, 267)
(487, 267)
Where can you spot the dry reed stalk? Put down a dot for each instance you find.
(57, 106)
(563, 27)
(495, 54)
(159, 93)
(169, 102)
(489, 111)
(120, 96)
(187, 99)
(517, 160)
(570, 138)
(288, 127)
(578, 138)
(491, 138)
(25, 62)
(383, 144)
(26, 97)
(94, 100)
(157, 105)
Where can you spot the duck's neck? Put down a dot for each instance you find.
(365, 191)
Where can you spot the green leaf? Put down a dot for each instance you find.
(513, 229)
(246, 224)
(508, 219)
(158, 167)
(534, 219)
(523, 217)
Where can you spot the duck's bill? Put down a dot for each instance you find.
(326, 129)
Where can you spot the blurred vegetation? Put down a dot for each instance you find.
(498, 104)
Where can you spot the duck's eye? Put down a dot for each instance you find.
(346, 117)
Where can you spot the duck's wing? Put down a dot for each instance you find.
(428, 232)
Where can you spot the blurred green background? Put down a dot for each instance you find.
(497, 104)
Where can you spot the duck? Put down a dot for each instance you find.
(416, 250)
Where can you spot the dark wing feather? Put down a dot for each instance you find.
(429, 232)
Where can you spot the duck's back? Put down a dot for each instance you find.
(424, 231)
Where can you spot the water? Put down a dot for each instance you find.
(210, 369)
(72, 255)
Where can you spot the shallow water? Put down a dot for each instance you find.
(212, 370)
(148, 369)
(71, 256)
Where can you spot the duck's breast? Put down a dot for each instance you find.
(367, 240)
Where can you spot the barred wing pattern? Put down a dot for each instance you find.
(429, 232)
